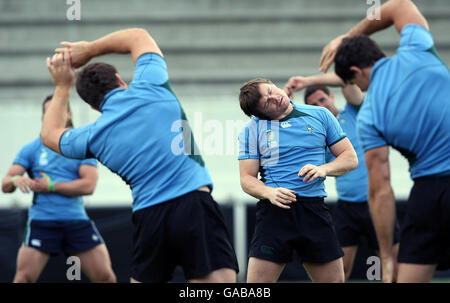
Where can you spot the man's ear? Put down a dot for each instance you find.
(356, 71)
(120, 81)
(331, 96)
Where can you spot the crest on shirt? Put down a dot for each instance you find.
(309, 128)
(271, 139)
(43, 157)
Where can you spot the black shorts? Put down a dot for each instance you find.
(353, 223)
(305, 228)
(188, 231)
(69, 237)
(425, 235)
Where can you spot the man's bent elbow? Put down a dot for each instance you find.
(49, 141)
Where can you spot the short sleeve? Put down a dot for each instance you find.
(353, 109)
(25, 156)
(150, 69)
(415, 37)
(248, 141)
(90, 161)
(368, 135)
(74, 143)
(334, 131)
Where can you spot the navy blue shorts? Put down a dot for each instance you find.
(425, 236)
(189, 231)
(69, 237)
(354, 223)
(306, 228)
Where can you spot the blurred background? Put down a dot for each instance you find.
(211, 47)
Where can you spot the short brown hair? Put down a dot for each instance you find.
(95, 81)
(48, 99)
(249, 97)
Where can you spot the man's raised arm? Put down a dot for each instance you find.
(394, 12)
(55, 118)
(351, 92)
(135, 41)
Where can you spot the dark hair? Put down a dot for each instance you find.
(95, 81)
(312, 89)
(359, 51)
(249, 97)
(48, 99)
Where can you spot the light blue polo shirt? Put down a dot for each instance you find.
(284, 147)
(144, 137)
(36, 158)
(407, 105)
(353, 186)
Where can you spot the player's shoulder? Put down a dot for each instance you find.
(415, 37)
(33, 145)
(252, 123)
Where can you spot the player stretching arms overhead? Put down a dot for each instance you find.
(139, 136)
(407, 107)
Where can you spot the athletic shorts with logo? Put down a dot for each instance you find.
(188, 231)
(68, 237)
(306, 228)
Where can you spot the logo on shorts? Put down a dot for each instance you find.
(94, 237)
(267, 250)
(36, 242)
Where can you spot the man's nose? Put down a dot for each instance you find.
(273, 98)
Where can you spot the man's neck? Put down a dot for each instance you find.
(287, 112)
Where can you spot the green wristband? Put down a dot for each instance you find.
(13, 179)
(51, 185)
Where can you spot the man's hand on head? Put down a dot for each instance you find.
(329, 52)
(61, 70)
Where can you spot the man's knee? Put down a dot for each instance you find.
(106, 277)
(24, 277)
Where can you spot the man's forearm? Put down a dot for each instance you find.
(55, 118)
(116, 42)
(369, 26)
(254, 187)
(328, 79)
(382, 208)
(78, 187)
(342, 164)
(7, 185)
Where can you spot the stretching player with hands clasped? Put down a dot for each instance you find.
(176, 220)
(57, 221)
